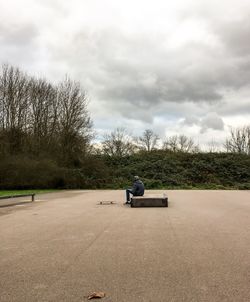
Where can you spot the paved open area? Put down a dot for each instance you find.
(66, 245)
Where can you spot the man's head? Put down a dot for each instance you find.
(136, 177)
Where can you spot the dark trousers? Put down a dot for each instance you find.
(128, 192)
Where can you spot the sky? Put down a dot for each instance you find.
(176, 67)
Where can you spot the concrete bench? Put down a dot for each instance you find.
(149, 201)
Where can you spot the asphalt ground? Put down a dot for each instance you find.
(66, 245)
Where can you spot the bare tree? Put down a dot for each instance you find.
(14, 89)
(239, 140)
(213, 146)
(171, 143)
(148, 141)
(118, 143)
(180, 143)
(73, 108)
(74, 123)
(43, 112)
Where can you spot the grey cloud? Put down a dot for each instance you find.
(19, 44)
(238, 108)
(134, 69)
(18, 35)
(169, 87)
(191, 120)
(211, 121)
(173, 82)
(235, 35)
(231, 60)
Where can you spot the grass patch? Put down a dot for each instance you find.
(24, 192)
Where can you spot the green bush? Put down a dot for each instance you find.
(158, 169)
(161, 169)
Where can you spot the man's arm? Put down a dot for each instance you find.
(134, 188)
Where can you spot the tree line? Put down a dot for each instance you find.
(46, 141)
(120, 143)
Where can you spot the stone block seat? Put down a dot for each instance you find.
(149, 200)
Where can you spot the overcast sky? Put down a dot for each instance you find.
(177, 67)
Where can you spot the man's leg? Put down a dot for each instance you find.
(128, 192)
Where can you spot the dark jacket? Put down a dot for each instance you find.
(138, 188)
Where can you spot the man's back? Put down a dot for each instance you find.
(138, 188)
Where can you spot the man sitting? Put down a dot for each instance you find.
(137, 189)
